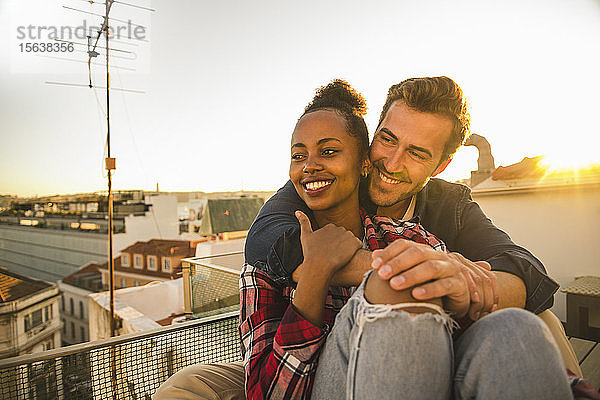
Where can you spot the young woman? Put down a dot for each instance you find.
(283, 326)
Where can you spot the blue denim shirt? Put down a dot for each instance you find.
(444, 209)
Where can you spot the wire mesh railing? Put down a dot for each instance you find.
(125, 367)
(211, 283)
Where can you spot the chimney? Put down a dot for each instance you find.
(485, 162)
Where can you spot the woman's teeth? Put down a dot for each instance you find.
(388, 180)
(316, 185)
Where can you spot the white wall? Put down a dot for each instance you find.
(560, 227)
(156, 301)
(219, 247)
(138, 307)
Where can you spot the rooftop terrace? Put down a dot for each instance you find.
(133, 366)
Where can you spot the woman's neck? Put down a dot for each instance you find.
(346, 215)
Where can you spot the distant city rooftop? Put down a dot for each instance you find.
(14, 286)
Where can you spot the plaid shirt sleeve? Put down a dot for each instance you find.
(279, 347)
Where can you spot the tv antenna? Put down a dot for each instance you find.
(93, 51)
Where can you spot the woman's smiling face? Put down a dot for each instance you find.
(325, 164)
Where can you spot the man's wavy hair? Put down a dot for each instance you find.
(437, 95)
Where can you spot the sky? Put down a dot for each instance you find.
(224, 82)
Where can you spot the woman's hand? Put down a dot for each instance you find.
(325, 251)
(329, 248)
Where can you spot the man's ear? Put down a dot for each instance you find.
(440, 168)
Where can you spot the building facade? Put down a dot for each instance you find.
(149, 261)
(50, 243)
(29, 316)
(74, 303)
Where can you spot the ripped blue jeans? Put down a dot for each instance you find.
(383, 352)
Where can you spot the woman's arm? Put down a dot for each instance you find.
(279, 346)
(281, 340)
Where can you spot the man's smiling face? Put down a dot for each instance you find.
(406, 151)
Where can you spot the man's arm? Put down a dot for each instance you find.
(480, 239)
(518, 279)
(511, 290)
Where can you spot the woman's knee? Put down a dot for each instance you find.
(204, 381)
(378, 291)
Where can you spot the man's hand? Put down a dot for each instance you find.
(482, 286)
(465, 287)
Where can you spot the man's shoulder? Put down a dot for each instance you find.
(438, 206)
(285, 199)
(438, 188)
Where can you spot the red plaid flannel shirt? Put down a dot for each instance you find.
(279, 347)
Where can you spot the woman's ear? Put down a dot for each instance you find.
(440, 168)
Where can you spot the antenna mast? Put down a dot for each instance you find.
(110, 166)
(110, 162)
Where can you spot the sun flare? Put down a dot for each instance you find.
(565, 162)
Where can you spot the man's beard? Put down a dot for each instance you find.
(384, 197)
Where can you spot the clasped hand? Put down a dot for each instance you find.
(464, 286)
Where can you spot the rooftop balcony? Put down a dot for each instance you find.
(133, 365)
(130, 366)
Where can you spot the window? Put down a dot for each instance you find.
(152, 263)
(82, 332)
(36, 318)
(136, 283)
(64, 325)
(62, 303)
(125, 260)
(72, 330)
(32, 320)
(81, 313)
(48, 313)
(123, 282)
(137, 261)
(166, 264)
(72, 306)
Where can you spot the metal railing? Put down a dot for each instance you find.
(210, 283)
(131, 366)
